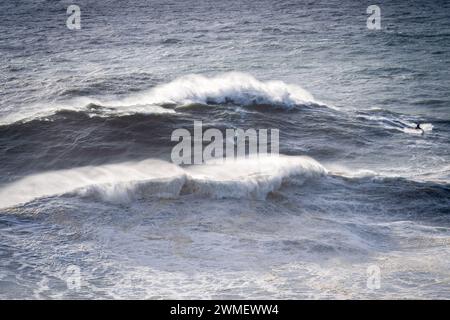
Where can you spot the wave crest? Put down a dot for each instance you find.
(121, 183)
(228, 88)
(233, 87)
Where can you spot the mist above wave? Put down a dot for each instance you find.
(119, 183)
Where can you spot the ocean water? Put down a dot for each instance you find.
(91, 205)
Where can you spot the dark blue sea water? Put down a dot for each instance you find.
(92, 207)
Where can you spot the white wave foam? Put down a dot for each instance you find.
(399, 124)
(424, 127)
(113, 181)
(242, 178)
(235, 87)
(250, 178)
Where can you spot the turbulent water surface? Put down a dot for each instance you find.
(88, 189)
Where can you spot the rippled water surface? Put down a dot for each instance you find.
(87, 187)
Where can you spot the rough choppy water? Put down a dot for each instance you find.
(85, 173)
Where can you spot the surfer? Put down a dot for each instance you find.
(419, 128)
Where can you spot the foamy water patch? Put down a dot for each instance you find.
(399, 124)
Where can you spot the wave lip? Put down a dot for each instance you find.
(122, 183)
(233, 87)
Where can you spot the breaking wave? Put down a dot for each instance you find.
(228, 88)
(119, 183)
(234, 87)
